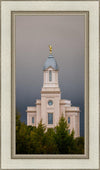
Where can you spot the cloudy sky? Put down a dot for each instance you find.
(33, 35)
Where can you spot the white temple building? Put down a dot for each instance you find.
(50, 107)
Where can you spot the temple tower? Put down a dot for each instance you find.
(50, 93)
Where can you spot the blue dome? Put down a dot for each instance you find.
(50, 62)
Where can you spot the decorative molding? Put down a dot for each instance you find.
(50, 92)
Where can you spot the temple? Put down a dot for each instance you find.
(50, 107)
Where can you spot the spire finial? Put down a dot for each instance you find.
(50, 49)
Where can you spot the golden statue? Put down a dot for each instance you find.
(50, 49)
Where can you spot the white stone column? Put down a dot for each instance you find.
(38, 114)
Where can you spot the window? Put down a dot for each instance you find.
(50, 118)
(32, 119)
(68, 119)
(50, 75)
(50, 102)
(69, 131)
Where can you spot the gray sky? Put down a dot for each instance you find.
(33, 35)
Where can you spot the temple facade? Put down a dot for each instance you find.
(50, 107)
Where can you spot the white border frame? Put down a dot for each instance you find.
(93, 8)
(86, 85)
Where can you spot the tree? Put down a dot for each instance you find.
(64, 140)
(80, 145)
(22, 136)
(40, 140)
(50, 143)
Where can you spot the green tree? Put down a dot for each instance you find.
(40, 140)
(79, 145)
(18, 122)
(64, 140)
(22, 136)
(50, 143)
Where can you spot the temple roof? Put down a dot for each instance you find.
(50, 62)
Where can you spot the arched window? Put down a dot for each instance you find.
(50, 75)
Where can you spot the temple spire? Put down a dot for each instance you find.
(50, 62)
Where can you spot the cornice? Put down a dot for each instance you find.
(50, 92)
